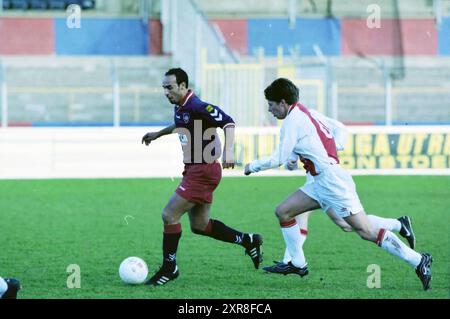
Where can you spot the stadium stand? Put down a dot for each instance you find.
(423, 95)
(78, 91)
(319, 8)
(46, 4)
(336, 50)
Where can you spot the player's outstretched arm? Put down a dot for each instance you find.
(151, 136)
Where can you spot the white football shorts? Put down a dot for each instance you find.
(334, 188)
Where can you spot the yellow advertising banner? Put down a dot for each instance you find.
(365, 149)
(398, 150)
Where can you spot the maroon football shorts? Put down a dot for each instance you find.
(199, 182)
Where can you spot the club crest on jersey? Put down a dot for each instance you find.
(209, 108)
(186, 117)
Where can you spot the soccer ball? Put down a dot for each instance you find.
(133, 270)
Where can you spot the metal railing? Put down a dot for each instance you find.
(68, 99)
(186, 32)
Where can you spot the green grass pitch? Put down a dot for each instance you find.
(47, 225)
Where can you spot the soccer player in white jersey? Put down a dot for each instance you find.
(402, 225)
(9, 288)
(333, 187)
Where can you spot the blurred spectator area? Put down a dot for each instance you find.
(46, 4)
(92, 7)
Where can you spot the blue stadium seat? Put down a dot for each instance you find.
(88, 4)
(63, 4)
(57, 4)
(46, 4)
(38, 4)
(6, 4)
(19, 4)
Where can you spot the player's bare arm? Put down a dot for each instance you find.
(228, 150)
(151, 136)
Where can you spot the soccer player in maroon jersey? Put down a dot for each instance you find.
(195, 122)
(332, 187)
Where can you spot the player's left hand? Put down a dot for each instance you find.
(292, 165)
(247, 170)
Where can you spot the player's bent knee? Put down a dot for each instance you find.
(279, 212)
(168, 217)
(282, 214)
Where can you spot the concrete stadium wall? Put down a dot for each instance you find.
(344, 36)
(419, 37)
(20, 36)
(271, 33)
(26, 36)
(102, 37)
(27, 153)
(235, 32)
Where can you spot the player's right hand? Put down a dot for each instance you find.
(247, 170)
(149, 137)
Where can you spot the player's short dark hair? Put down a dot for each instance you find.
(282, 89)
(180, 75)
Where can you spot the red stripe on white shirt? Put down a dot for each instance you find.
(327, 142)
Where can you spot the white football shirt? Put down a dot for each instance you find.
(305, 134)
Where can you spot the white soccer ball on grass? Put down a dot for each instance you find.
(133, 271)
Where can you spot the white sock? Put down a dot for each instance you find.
(385, 223)
(392, 244)
(292, 238)
(3, 287)
(287, 256)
